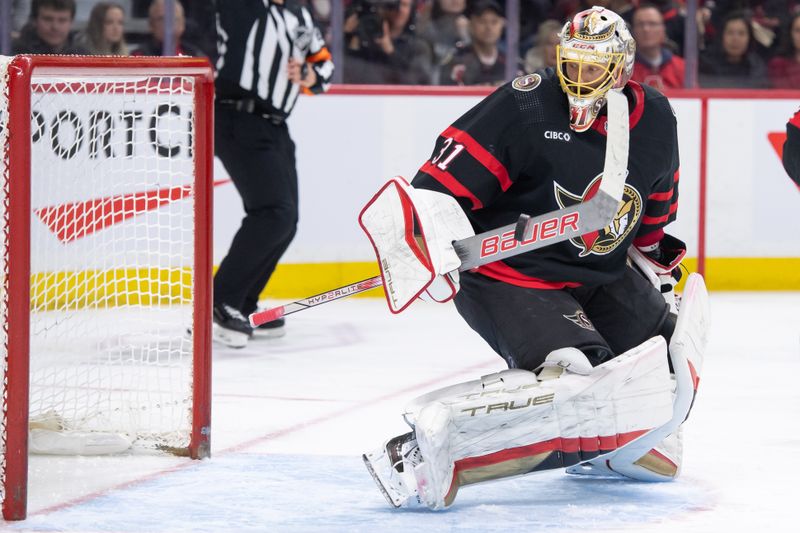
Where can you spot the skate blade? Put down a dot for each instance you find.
(394, 501)
(273, 333)
(592, 469)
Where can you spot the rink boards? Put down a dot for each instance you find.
(349, 142)
(738, 210)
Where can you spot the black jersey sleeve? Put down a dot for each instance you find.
(478, 157)
(791, 148)
(661, 206)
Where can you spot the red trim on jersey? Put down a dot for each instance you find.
(638, 106)
(649, 239)
(660, 196)
(658, 220)
(669, 14)
(795, 120)
(481, 154)
(502, 272)
(450, 183)
(635, 115)
(562, 444)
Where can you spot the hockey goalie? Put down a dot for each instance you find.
(603, 364)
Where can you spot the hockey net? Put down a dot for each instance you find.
(106, 326)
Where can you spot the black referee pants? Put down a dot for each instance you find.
(524, 325)
(260, 159)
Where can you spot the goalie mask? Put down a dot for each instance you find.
(595, 55)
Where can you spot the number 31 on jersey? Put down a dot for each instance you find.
(448, 152)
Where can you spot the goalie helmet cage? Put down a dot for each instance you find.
(106, 168)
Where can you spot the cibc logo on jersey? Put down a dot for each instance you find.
(558, 136)
(603, 241)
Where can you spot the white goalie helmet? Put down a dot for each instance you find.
(595, 54)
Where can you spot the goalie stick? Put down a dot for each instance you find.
(528, 233)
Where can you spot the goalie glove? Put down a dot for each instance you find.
(412, 232)
(660, 263)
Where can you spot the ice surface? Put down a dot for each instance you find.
(291, 417)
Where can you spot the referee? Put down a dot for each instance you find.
(269, 52)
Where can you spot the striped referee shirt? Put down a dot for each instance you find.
(255, 39)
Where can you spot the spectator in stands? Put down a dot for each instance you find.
(532, 13)
(382, 46)
(732, 61)
(105, 32)
(446, 30)
(674, 23)
(566, 9)
(20, 14)
(201, 26)
(543, 53)
(49, 30)
(784, 69)
(766, 17)
(656, 65)
(482, 63)
(155, 46)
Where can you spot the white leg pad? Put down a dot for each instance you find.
(521, 424)
(657, 456)
(485, 386)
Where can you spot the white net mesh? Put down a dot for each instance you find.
(112, 229)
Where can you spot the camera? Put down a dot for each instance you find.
(371, 16)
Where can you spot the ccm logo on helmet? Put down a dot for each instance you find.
(558, 136)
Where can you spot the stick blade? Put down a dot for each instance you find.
(267, 315)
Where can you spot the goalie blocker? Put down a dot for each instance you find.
(412, 232)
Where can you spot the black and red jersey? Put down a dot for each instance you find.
(515, 153)
(791, 148)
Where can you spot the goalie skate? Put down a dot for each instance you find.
(392, 469)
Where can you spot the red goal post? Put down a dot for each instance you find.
(106, 167)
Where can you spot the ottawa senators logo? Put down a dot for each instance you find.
(607, 239)
(527, 82)
(580, 319)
